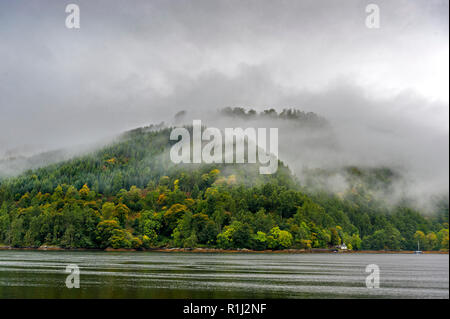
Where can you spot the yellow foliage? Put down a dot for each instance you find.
(215, 172)
(161, 199)
(211, 191)
(111, 160)
(231, 180)
(84, 191)
(176, 208)
(220, 181)
(306, 243)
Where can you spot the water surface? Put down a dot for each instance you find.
(41, 274)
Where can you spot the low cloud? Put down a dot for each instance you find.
(384, 92)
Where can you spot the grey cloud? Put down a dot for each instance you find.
(139, 62)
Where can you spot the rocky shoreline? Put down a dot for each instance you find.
(217, 250)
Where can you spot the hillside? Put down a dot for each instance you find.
(129, 195)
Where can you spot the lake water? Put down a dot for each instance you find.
(41, 274)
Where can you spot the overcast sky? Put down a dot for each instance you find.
(133, 63)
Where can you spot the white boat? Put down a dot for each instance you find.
(418, 251)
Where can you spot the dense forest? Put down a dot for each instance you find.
(130, 195)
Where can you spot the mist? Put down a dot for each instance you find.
(384, 92)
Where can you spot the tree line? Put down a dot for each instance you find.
(129, 195)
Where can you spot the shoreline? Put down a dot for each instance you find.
(218, 250)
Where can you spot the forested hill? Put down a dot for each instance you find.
(130, 195)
